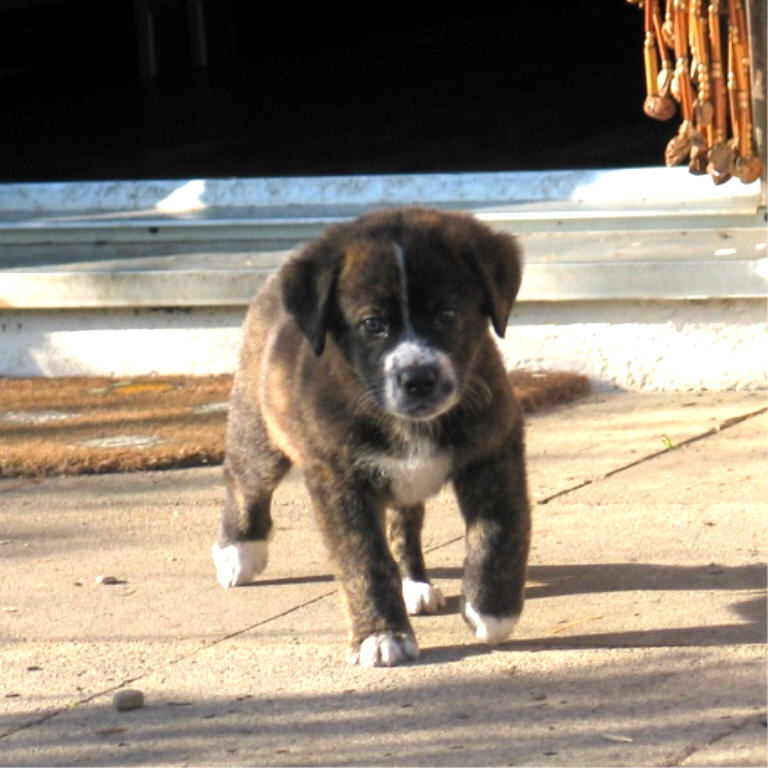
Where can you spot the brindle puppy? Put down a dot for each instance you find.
(367, 361)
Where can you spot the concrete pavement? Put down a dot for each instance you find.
(642, 641)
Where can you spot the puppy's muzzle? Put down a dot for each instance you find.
(420, 381)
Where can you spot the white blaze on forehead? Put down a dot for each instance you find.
(400, 262)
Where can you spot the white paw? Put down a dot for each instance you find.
(489, 629)
(421, 597)
(385, 650)
(238, 563)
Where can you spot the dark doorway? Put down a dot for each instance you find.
(382, 89)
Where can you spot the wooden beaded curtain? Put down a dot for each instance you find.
(710, 80)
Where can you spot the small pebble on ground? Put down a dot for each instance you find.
(128, 699)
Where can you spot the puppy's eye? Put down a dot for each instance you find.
(374, 326)
(446, 316)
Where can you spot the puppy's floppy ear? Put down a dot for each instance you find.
(495, 258)
(308, 282)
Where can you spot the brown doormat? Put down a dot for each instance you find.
(74, 425)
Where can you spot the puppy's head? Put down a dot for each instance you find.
(405, 296)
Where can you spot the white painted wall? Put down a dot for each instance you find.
(118, 342)
(645, 345)
(635, 345)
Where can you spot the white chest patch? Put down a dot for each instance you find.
(416, 474)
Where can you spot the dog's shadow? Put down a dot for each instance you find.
(573, 580)
(563, 580)
(545, 581)
(286, 581)
(579, 579)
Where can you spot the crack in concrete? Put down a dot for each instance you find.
(212, 644)
(727, 424)
(692, 749)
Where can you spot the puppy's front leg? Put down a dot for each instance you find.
(493, 498)
(404, 533)
(352, 521)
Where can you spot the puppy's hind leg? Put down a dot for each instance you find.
(253, 467)
(404, 534)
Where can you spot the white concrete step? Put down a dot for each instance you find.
(652, 264)
(637, 233)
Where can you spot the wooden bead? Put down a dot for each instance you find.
(668, 33)
(698, 162)
(748, 169)
(721, 161)
(704, 112)
(677, 150)
(664, 80)
(659, 107)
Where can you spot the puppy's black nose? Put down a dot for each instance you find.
(418, 380)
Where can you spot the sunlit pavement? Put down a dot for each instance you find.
(642, 641)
